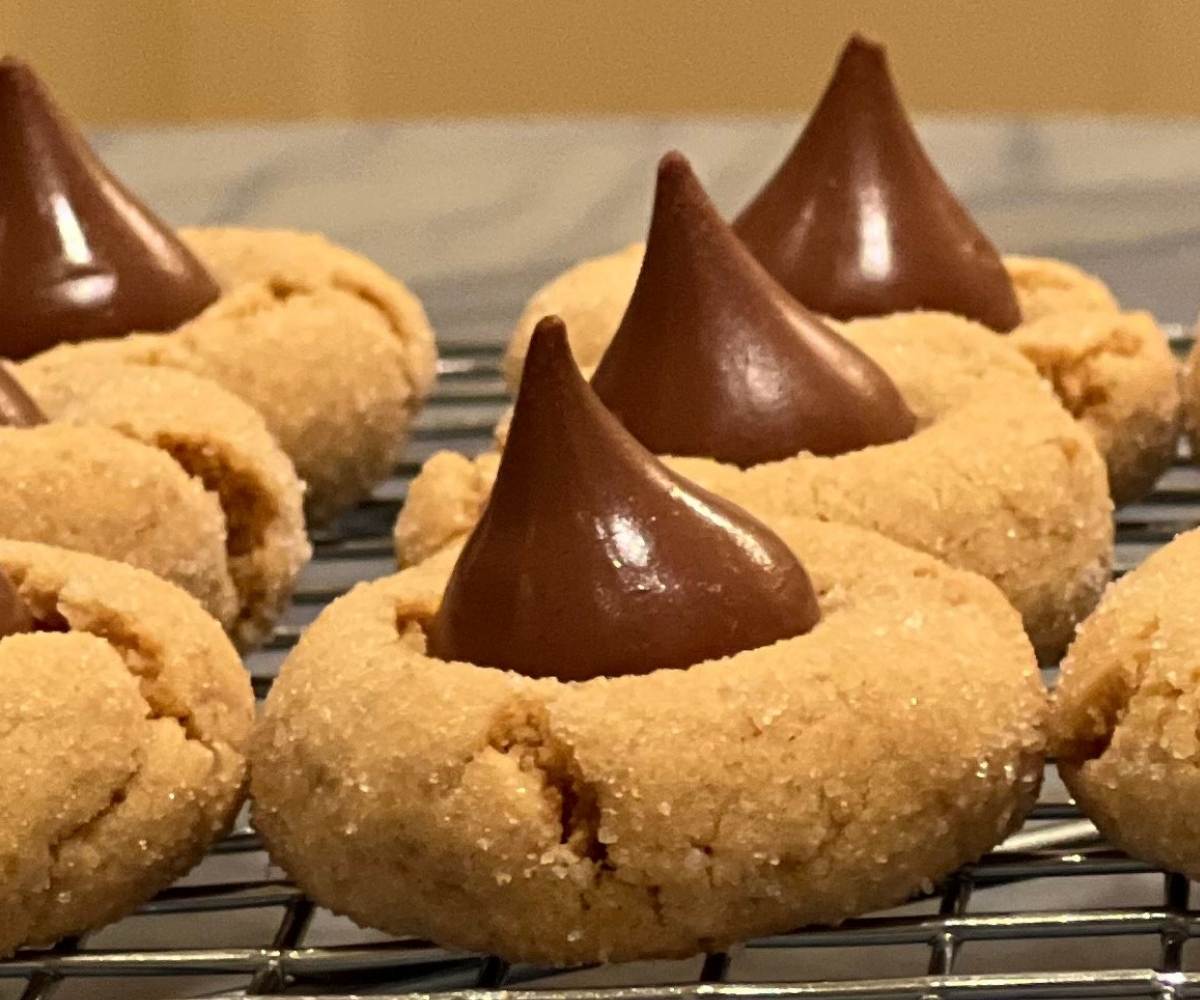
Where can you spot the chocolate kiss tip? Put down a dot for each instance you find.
(858, 222)
(677, 182)
(861, 45)
(863, 63)
(15, 615)
(592, 559)
(83, 259)
(18, 81)
(712, 358)
(673, 164)
(550, 333)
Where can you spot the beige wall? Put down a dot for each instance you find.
(195, 60)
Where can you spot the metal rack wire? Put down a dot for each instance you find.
(1023, 900)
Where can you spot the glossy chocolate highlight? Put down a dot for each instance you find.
(80, 257)
(592, 559)
(714, 359)
(858, 222)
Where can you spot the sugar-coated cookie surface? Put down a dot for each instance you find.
(1045, 286)
(333, 352)
(216, 438)
(590, 298)
(121, 743)
(1127, 711)
(94, 490)
(1114, 371)
(998, 479)
(663, 814)
(1116, 375)
(292, 262)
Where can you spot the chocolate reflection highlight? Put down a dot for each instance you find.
(80, 257)
(858, 222)
(713, 358)
(592, 559)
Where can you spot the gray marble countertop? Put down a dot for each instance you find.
(474, 215)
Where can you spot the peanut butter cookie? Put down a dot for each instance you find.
(217, 439)
(656, 815)
(1127, 711)
(125, 713)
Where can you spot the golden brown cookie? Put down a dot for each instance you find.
(1115, 373)
(217, 439)
(1127, 711)
(334, 353)
(94, 490)
(998, 479)
(121, 742)
(1045, 286)
(1113, 370)
(590, 298)
(661, 814)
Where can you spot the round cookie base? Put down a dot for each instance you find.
(92, 489)
(659, 815)
(219, 441)
(128, 760)
(1127, 711)
(1115, 373)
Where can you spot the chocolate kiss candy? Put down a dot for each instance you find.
(857, 222)
(80, 257)
(14, 613)
(713, 358)
(592, 559)
(17, 408)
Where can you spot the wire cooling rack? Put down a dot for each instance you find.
(1052, 912)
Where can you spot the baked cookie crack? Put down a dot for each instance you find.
(522, 730)
(42, 906)
(143, 660)
(280, 289)
(1113, 698)
(365, 295)
(654, 894)
(81, 830)
(248, 508)
(251, 511)
(1077, 382)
